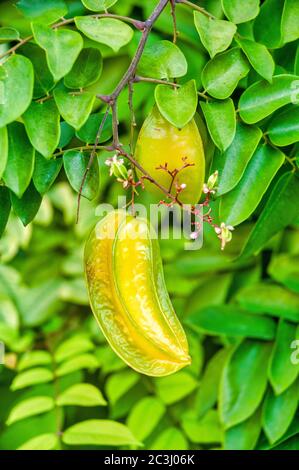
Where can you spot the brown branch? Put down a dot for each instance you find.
(173, 14)
(157, 81)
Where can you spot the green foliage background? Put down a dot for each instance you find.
(241, 313)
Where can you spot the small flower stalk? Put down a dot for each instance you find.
(224, 233)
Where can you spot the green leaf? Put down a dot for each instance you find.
(41, 302)
(42, 442)
(206, 430)
(175, 387)
(241, 393)
(284, 128)
(220, 117)
(244, 436)
(221, 75)
(62, 47)
(258, 56)
(109, 31)
(240, 11)
(66, 134)
(34, 358)
(30, 377)
(42, 123)
(98, 5)
(216, 35)
(75, 164)
(119, 384)
(74, 108)
(28, 205)
(5, 208)
(275, 217)
(16, 88)
(207, 394)
(237, 205)
(45, 12)
(88, 132)
(289, 21)
(99, 432)
(262, 98)
(284, 268)
(45, 172)
(267, 29)
(232, 163)
(84, 361)
(271, 299)
(71, 347)
(279, 411)
(231, 321)
(162, 60)
(282, 372)
(30, 407)
(19, 168)
(43, 79)
(170, 438)
(81, 395)
(177, 105)
(145, 416)
(86, 70)
(3, 149)
(8, 34)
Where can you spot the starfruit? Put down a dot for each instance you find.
(129, 298)
(160, 143)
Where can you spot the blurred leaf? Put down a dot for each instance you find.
(19, 168)
(27, 207)
(46, 12)
(34, 358)
(71, 347)
(263, 98)
(258, 56)
(16, 88)
(73, 107)
(81, 395)
(216, 35)
(284, 128)
(3, 149)
(86, 70)
(278, 412)
(30, 407)
(42, 442)
(289, 21)
(119, 384)
(84, 361)
(145, 416)
(231, 321)
(275, 217)
(62, 48)
(221, 75)
(42, 123)
(99, 432)
(45, 172)
(244, 436)
(109, 31)
(270, 298)
(232, 163)
(98, 5)
(175, 387)
(162, 60)
(241, 394)
(88, 132)
(237, 205)
(221, 121)
(5, 208)
(285, 269)
(30, 377)
(267, 26)
(75, 164)
(8, 34)
(282, 372)
(205, 430)
(240, 11)
(177, 105)
(170, 439)
(40, 303)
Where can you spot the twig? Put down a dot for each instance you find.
(195, 7)
(132, 114)
(173, 14)
(139, 79)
